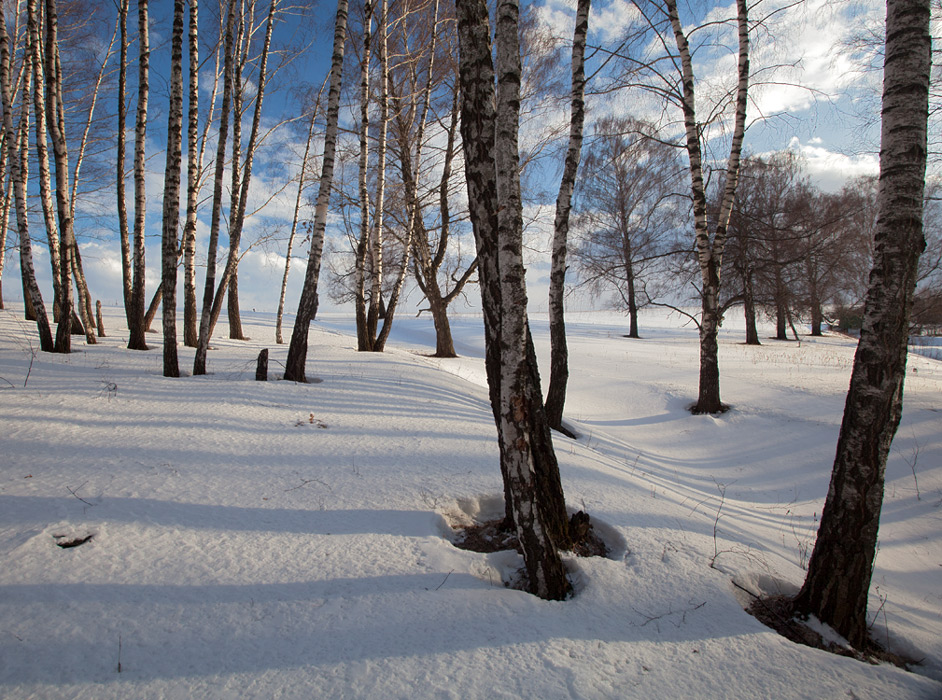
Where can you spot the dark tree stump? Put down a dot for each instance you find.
(101, 323)
(261, 369)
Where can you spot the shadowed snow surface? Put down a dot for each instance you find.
(283, 540)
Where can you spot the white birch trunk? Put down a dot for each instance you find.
(171, 213)
(364, 339)
(137, 328)
(124, 234)
(710, 248)
(307, 305)
(376, 243)
(34, 47)
(18, 158)
(841, 565)
(193, 166)
(559, 359)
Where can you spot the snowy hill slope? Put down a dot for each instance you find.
(272, 539)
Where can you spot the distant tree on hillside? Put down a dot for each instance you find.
(629, 208)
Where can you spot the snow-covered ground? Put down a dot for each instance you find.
(282, 540)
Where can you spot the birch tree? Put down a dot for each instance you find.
(491, 161)
(307, 305)
(171, 213)
(55, 123)
(18, 158)
(34, 47)
(241, 173)
(136, 324)
(840, 568)
(194, 158)
(209, 287)
(710, 245)
(124, 234)
(364, 339)
(279, 316)
(559, 352)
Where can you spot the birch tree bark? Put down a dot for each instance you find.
(841, 564)
(55, 123)
(168, 277)
(18, 157)
(34, 47)
(193, 166)
(364, 339)
(124, 233)
(136, 325)
(559, 351)
(491, 157)
(376, 242)
(710, 247)
(307, 305)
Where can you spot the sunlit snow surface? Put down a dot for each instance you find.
(282, 540)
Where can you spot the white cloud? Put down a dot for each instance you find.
(831, 170)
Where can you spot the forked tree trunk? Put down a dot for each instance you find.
(136, 325)
(710, 248)
(429, 263)
(171, 218)
(307, 305)
(841, 564)
(18, 157)
(209, 287)
(241, 180)
(559, 350)
(55, 122)
(498, 237)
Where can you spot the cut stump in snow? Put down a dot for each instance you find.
(261, 368)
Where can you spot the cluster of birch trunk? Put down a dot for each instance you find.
(403, 51)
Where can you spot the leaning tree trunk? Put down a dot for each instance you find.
(18, 158)
(496, 217)
(279, 316)
(307, 305)
(124, 233)
(136, 325)
(710, 249)
(171, 218)
(559, 350)
(34, 47)
(841, 565)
